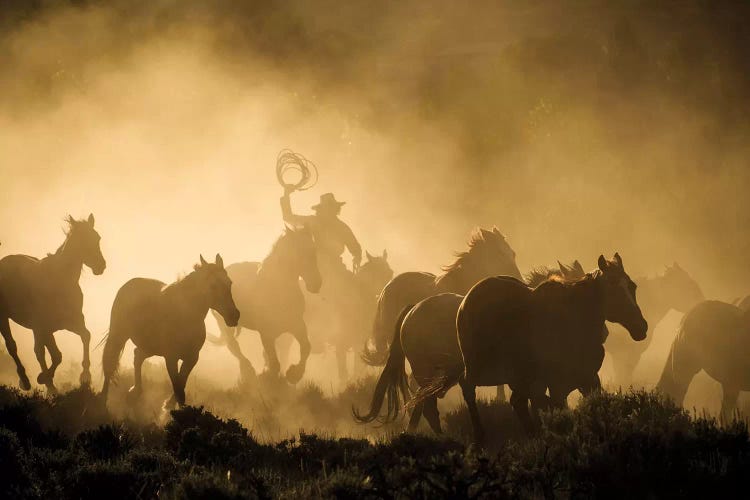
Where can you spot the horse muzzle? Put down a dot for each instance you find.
(98, 269)
(232, 318)
(638, 332)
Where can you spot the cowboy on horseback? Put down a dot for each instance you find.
(332, 235)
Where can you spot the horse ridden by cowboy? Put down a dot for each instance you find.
(332, 236)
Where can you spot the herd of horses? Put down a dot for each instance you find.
(479, 323)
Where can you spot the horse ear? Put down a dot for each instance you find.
(563, 269)
(91, 220)
(618, 259)
(497, 232)
(219, 261)
(676, 266)
(602, 262)
(367, 254)
(203, 261)
(578, 267)
(385, 254)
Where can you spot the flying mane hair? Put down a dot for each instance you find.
(478, 238)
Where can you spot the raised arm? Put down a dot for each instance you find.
(286, 209)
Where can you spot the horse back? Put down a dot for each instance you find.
(34, 298)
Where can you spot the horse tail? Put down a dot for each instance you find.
(114, 344)
(393, 384)
(377, 355)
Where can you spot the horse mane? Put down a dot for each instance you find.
(539, 274)
(479, 238)
(71, 222)
(557, 280)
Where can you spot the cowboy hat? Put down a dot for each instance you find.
(327, 199)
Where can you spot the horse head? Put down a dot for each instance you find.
(375, 273)
(216, 280)
(83, 240)
(299, 248)
(494, 253)
(620, 305)
(679, 288)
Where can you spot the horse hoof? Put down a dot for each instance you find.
(24, 383)
(294, 374)
(42, 378)
(85, 378)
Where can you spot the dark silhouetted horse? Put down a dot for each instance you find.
(531, 339)
(427, 339)
(269, 297)
(167, 321)
(673, 289)
(714, 337)
(489, 254)
(350, 327)
(44, 296)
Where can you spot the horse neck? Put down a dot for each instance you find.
(366, 280)
(462, 277)
(190, 294)
(652, 300)
(582, 301)
(276, 268)
(67, 262)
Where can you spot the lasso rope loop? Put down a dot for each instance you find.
(288, 161)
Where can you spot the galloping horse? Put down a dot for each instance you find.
(167, 321)
(44, 296)
(354, 321)
(547, 337)
(673, 289)
(714, 337)
(426, 336)
(489, 254)
(271, 302)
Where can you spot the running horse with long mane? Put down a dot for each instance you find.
(271, 302)
(44, 296)
(167, 321)
(489, 254)
(550, 336)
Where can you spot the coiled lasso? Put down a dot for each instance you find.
(288, 161)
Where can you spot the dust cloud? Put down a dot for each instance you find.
(579, 129)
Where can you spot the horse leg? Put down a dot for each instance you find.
(519, 400)
(341, 354)
(432, 415)
(40, 341)
(138, 358)
(54, 354)
(501, 394)
(729, 401)
(174, 377)
(283, 343)
(416, 414)
(85, 335)
(295, 372)
(592, 385)
(470, 396)
(187, 366)
(10, 344)
(272, 360)
(247, 372)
